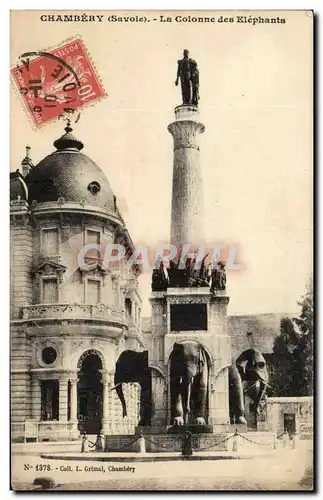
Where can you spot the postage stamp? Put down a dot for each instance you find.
(56, 82)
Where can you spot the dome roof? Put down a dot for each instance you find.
(18, 187)
(69, 174)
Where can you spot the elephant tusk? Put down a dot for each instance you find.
(254, 384)
(117, 385)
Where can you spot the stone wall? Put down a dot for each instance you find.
(299, 409)
(256, 331)
(167, 443)
(21, 257)
(21, 261)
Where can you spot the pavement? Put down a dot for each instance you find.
(281, 469)
(154, 457)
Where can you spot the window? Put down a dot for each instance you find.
(93, 291)
(49, 399)
(93, 254)
(49, 355)
(94, 188)
(50, 291)
(185, 317)
(49, 242)
(128, 307)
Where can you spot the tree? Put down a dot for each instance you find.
(305, 350)
(293, 352)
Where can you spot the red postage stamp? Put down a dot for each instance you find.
(56, 82)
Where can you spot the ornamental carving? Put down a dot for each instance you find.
(188, 300)
(41, 346)
(185, 133)
(77, 343)
(90, 352)
(73, 311)
(108, 230)
(96, 270)
(19, 219)
(49, 268)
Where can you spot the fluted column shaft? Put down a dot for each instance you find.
(187, 195)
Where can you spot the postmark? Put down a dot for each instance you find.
(55, 82)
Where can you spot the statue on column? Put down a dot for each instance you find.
(195, 78)
(188, 73)
(159, 280)
(219, 278)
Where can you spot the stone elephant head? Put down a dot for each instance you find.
(247, 375)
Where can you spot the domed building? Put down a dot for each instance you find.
(72, 313)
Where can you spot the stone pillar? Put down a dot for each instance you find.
(73, 399)
(63, 392)
(219, 396)
(35, 398)
(106, 417)
(74, 433)
(187, 195)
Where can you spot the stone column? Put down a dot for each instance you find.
(187, 195)
(63, 392)
(73, 399)
(74, 433)
(222, 359)
(112, 405)
(106, 417)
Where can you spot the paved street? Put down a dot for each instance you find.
(281, 470)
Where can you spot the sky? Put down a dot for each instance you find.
(256, 152)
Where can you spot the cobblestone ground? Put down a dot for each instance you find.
(281, 470)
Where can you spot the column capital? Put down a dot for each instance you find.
(107, 376)
(63, 377)
(185, 133)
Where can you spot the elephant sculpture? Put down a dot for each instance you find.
(248, 375)
(188, 383)
(132, 366)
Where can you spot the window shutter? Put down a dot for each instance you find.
(93, 292)
(50, 242)
(92, 238)
(50, 291)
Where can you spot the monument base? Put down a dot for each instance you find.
(241, 428)
(162, 442)
(148, 430)
(194, 429)
(201, 442)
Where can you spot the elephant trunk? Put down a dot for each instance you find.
(119, 391)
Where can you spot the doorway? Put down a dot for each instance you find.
(289, 423)
(89, 393)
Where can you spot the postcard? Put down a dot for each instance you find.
(161, 246)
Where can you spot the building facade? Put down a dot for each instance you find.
(71, 315)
